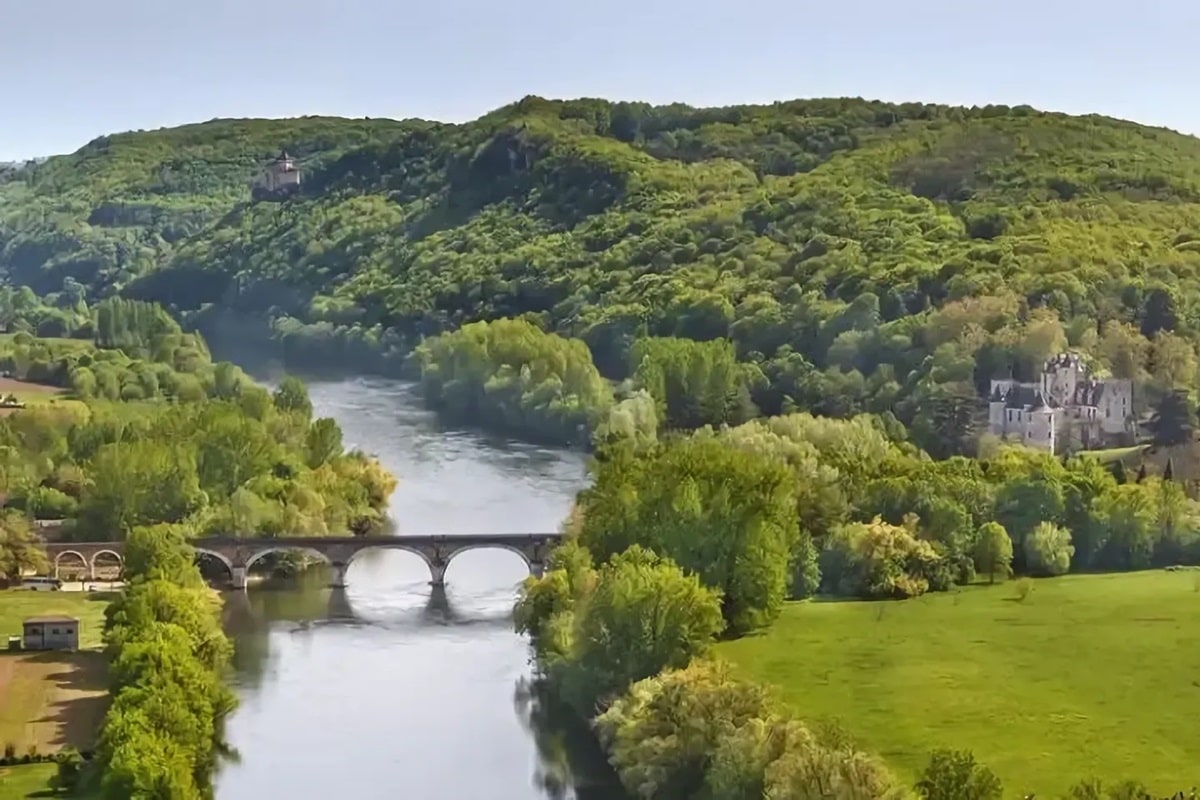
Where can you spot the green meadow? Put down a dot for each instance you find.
(1088, 676)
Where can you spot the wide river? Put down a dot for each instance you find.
(386, 690)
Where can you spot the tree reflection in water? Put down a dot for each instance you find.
(571, 765)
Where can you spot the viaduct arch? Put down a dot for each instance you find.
(238, 555)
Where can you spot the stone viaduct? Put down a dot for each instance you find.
(238, 555)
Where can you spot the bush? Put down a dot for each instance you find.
(877, 560)
(1024, 588)
(955, 775)
(1048, 550)
(70, 765)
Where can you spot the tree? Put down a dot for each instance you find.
(945, 424)
(1048, 550)
(161, 552)
(693, 383)
(291, 396)
(725, 514)
(882, 561)
(1174, 419)
(139, 483)
(20, 548)
(1023, 503)
(514, 376)
(955, 775)
(322, 442)
(1126, 525)
(643, 616)
(663, 733)
(993, 551)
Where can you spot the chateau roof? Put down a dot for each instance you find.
(1022, 396)
(1039, 403)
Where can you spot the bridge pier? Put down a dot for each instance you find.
(438, 577)
(537, 569)
(337, 577)
(239, 577)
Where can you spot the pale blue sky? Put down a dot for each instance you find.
(71, 70)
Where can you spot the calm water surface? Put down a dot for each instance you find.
(387, 689)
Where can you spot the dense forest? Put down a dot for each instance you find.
(859, 256)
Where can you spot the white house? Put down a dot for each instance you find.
(1066, 408)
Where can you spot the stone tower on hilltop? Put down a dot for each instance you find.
(278, 179)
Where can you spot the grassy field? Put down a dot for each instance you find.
(26, 781)
(49, 700)
(34, 394)
(56, 341)
(1089, 676)
(1119, 453)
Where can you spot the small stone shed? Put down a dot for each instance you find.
(51, 633)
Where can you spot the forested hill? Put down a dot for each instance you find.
(830, 227)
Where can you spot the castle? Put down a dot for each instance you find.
(1068, 409)
(280, 178)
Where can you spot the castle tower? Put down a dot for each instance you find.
(281, 176)
(1042, 428)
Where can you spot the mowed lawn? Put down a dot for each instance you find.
(26, 781)
(51, 699)
(33, 394)
(1089, 676)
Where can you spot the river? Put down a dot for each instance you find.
(387, 690)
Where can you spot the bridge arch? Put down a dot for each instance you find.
(487, 546)
(259, 555)
(84, 565)
(96, 556)
(216, 556)
(405, 548)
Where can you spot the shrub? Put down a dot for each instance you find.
(1024, 588)
(955, 775)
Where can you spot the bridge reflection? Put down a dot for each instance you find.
(244, 610)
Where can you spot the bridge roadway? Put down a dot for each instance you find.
(239, 554)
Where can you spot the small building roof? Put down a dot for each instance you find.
(50, 618)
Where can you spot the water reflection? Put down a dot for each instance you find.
(305, 602)
(391, 687)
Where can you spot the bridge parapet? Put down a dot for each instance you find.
(239, 554)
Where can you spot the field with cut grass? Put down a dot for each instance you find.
(26, 781)
(1094, 675)
(50, 700)
(55, 341)
(33, 394)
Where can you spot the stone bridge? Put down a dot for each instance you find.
(238, 555)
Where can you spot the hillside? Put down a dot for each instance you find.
(817, 234)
